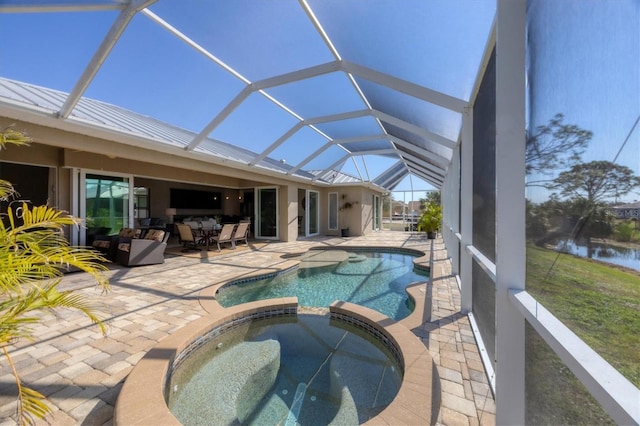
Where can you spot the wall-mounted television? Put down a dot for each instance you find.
(195, 199)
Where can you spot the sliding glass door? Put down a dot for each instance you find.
(333, 211)
(267, 213)
(105, 204)
(313, 213)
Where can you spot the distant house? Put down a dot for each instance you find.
(627, 211)
(414, 208)
(398, 208)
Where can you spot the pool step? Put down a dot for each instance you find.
(248, 371)
(322, 258)
(355, 258)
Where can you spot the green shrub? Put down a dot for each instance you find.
(431, 218)
(623, 231)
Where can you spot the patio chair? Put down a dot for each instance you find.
(148, 250)
(241, 233)
(225, 236)
(198, 230)
(187, 237)
(193, 224)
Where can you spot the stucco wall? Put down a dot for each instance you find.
(355, 210)
(288, 212)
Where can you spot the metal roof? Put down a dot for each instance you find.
(115, 118)
(319, 89)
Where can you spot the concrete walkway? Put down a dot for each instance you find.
(81, 372)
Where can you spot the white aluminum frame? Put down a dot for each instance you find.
(617, 395)
(510, 208)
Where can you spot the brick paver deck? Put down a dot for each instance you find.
(81, 372)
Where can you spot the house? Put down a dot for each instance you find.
(627, 211)
(442, 91)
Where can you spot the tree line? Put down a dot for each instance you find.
(579, 206)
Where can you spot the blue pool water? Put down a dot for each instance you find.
(376, 280)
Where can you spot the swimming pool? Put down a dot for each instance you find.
(304, 369)
(375, 279)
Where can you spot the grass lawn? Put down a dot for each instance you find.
(601, 304)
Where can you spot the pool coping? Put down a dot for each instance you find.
(417, 396)
(141, 399)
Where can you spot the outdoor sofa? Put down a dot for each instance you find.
(148, 250)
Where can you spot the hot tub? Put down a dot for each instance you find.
(272, 365)
(301, 369)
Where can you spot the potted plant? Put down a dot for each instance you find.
(430, 220)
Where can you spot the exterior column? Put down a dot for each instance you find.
(510, 209)
(466, 210)
(288, 203)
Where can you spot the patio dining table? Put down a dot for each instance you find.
(206, 232)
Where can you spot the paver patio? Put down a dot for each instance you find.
(81, 371)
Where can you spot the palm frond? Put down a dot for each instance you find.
(9, 136)
(47, 297)
(23, 267)
(37, 249)
(14, 327)
(15, 310)
(30, 402)
(6, 190)
(18, 270)
(71, 300)
(32, 405)
(13, 137)
(38, 218)
(47, 216)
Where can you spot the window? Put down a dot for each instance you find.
(333, 211)
(141, 202)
